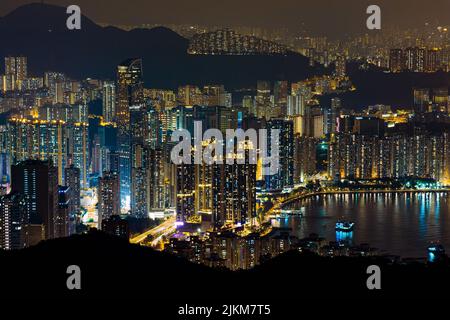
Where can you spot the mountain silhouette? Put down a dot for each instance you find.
(111, 267)
(39, 32)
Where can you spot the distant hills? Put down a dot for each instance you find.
(39, 32)
(395, 89)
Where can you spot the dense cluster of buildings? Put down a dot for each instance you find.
(424, 49)
(61, 137)
(36, 207)
(369, 152)
(415, 50)
(228, 250)
(228, 42)
(416, 59)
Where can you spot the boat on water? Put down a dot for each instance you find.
(436, 248)
(344, 226)
(288, 213)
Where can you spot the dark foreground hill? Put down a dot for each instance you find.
(39, 32)
(112, 268)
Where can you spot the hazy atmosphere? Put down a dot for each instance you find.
(332, 18)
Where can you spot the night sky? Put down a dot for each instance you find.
(330, 17)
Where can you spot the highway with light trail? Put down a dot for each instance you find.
(165, 228)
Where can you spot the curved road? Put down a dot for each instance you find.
(164, 228)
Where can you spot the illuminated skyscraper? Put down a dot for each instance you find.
(280, 94)
(10, 65)
(415, 59)
(63, 143)
(79, 149)
(17, 66)
(188, 95)
(248, 104)
(130, 90)
(38, 139)
(38, 182)
(130, 94)
(139, 126)
(285, 175)
(12, 220)
(341, 157)
(159, 170)
(366, 150)
(305, 158)
(433, 60)
(396, 60)
(72, 181)
(140, 153)
(8, 82)
(5, 167)
(204, 174)
(154, 137)
(16, 69)
(185, 192)
(108, 196)
(440, 99)
(234, 193)
(263, 102)
(295, 105)
(421, 100)
(55, 82)
(109, 101)
(395, 155)
(212, 95)
(107, 143)
(62, 217)
(140, 181)
(336, 107)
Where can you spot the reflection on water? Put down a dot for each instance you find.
(345, 237)
(399, 223)
(431, 257)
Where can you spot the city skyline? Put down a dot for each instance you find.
(121, 155)
(160, 161)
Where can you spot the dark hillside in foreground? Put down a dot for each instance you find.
(113, 268)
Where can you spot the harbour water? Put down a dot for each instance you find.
(396, 223)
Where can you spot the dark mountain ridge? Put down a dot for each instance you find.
(39, 32)
(110, 267)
